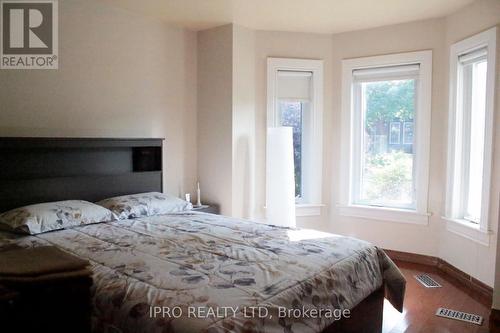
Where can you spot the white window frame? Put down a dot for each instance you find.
(315, 155)
(422, 124)
(478, 232)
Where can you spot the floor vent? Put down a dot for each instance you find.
(459, 315)
(427, 281)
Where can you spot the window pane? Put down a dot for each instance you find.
(291, 115)
(477, 131)
(386, 165)
(395, 133)
(408, 133)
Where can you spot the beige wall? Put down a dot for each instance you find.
(226, 104)
(120, 75)
(215, 105)
(243, 141)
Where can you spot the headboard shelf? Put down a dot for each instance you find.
(76, 143)
(51, 169)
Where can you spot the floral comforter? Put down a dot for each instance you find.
(196, 272)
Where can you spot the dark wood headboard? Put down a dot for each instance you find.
(34, 170)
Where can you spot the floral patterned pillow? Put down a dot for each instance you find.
(145, 204)
(39, 218)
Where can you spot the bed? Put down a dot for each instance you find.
(218, 274)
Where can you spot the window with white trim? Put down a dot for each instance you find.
(386, 126)
(472, 79)
(295, 99)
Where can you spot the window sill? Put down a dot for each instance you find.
(468, 230)
(385, 214)
(308, 209)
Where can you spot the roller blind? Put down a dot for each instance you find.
(473, 56)
(391, 72)
(294, 85)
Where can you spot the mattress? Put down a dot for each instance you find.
(197, 272)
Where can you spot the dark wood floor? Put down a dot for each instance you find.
(421, 304)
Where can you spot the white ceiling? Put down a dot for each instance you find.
(323, 16)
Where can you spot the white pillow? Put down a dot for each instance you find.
(39, 218)
(145, 204)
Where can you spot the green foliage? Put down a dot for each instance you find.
(388, 101)
(388, 176)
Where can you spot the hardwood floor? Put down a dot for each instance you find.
(421, 304)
